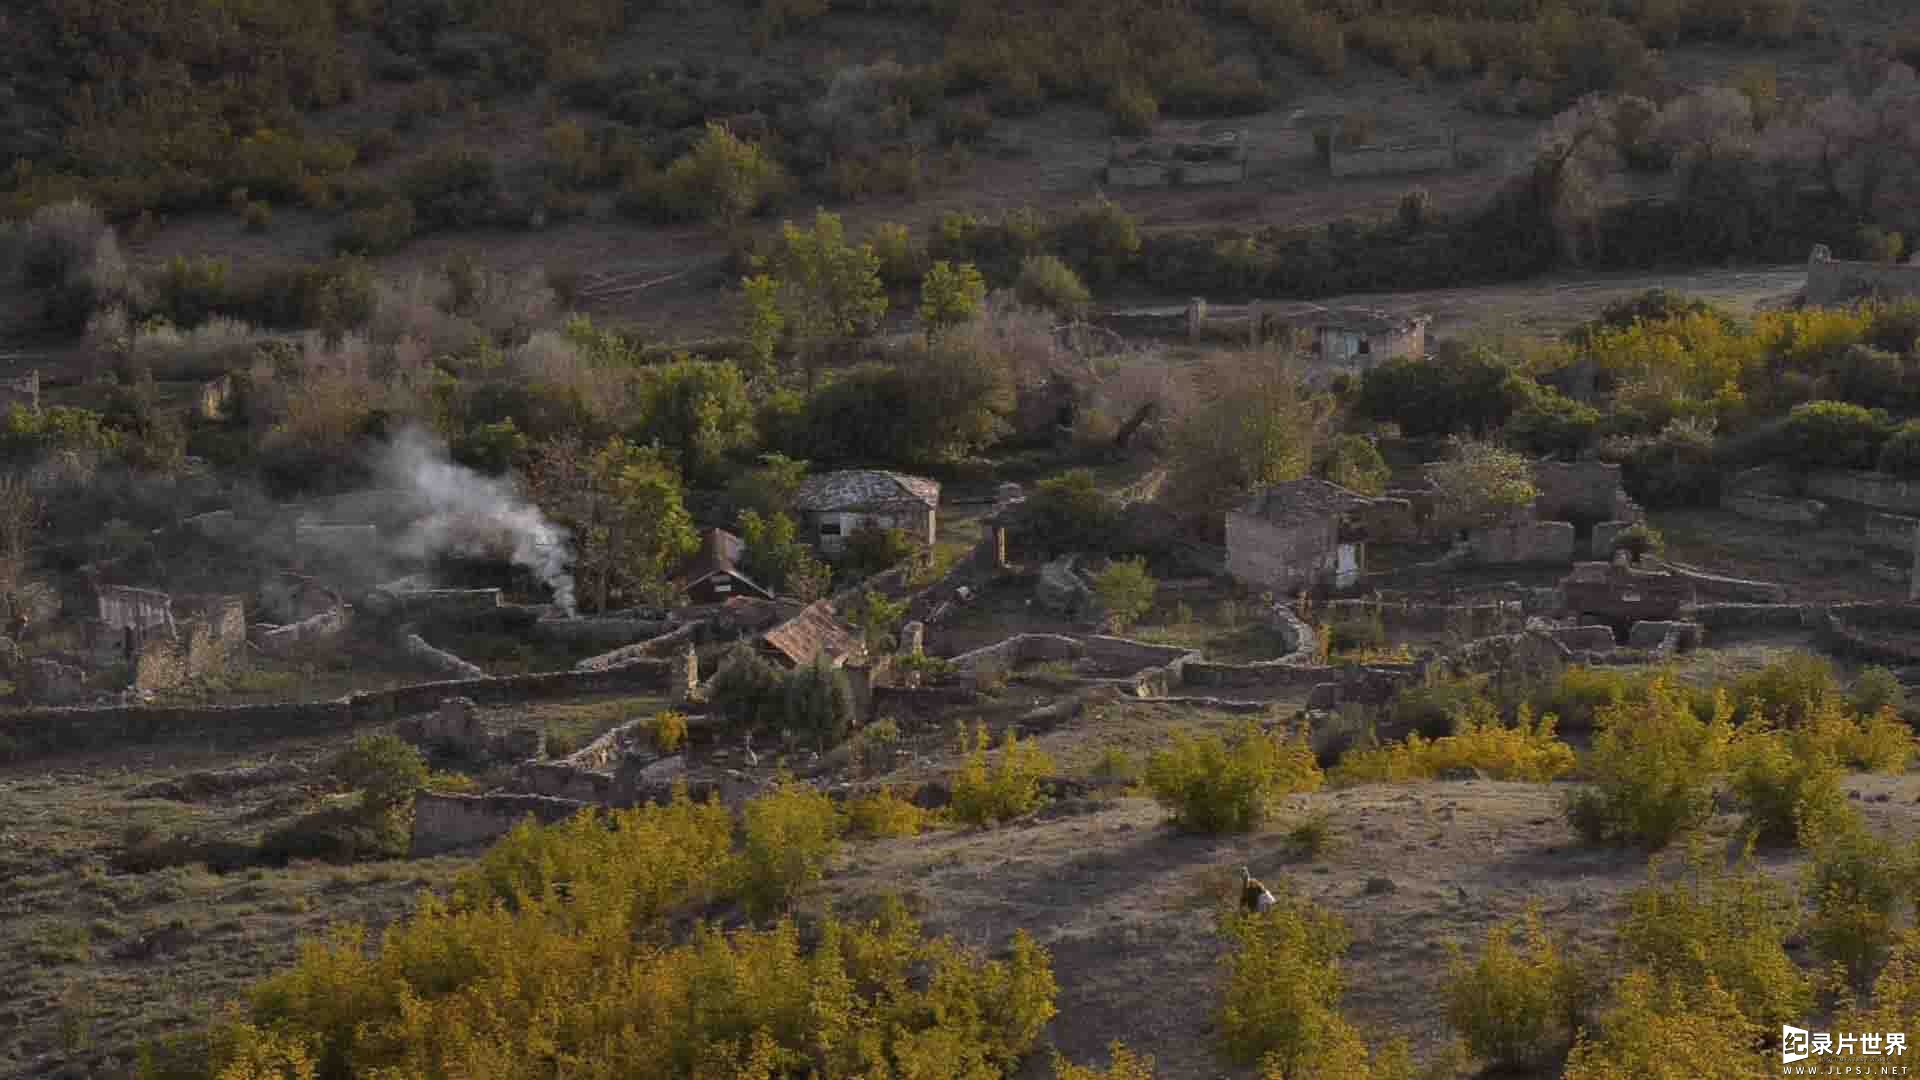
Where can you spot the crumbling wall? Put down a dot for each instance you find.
(1775, 508)
(1878, 490)
(1579, 491)
(1833, 281)
(1020, 649)
(1470, 620)
(671, 642)
(440, 660)
(1891, 532)
(1720, 587)
(309, 635)
(446, 822)
(1391, 159)
(591, 630)
(1723, 616)
(1523, 543)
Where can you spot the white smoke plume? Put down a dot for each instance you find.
(463, 512)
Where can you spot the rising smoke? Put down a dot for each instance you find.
(462, 512)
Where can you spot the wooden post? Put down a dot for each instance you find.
(1196, 318)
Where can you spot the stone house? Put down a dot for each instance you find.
(816, 633)
(1353, 338)
(1620, 593)
(712, 575)
(833, 505)
(1295, 536)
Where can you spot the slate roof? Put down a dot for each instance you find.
(854, 488)
(814, 632)
(1298, 500)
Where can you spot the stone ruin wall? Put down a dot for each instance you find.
(1391, 160)
(1836, 281)
(447, 822)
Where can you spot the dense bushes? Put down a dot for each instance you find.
(1652, 766)
(1470, 391)
(1518, 1004)
(1210, 784)
(1526, 751)
(989, 788)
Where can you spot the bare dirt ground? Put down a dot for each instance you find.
(1823, 564)
(1128, 906)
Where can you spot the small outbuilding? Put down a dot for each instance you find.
(712, 575)
(833, 505)
(1356, 337)
(816, 633)
(1293, 536)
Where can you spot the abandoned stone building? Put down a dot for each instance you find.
(1296, 536)
(1207, 158)
(834, 505)
(1354, 338)
(1423, 153)
(712, 575)
(815, 633)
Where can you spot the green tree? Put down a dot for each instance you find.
(1068, 512)
(1255, 424)
(769, 487)
(825, 290)
(622, 504)
(1481, 484)
(729, 177)
(1126, 590)
(876, 616)
(950, 294)
(764, 322)
(775, 558)
(700, 409)
(960, 393)
(1355, 463)
(1045, 281)
(746, 687)
(385, 769)
(817, 701)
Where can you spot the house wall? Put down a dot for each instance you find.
(1283, 559)
(1390, 160)
(1138, 174)
(1342, 346)
(1526, 542)
(1212, 172)
(447, 822)
(1579, 490)
(1832, 281)
(919, 521)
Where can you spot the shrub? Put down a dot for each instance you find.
(1900, 455)
(1116, 766)
(1007, 787)
(1896, 992)
(1720, 926)
(1100, 239)
(258, 216)
(1125, 590)
(1782, 787)
(376, 230)
(1639, 541)
(385, 769)
(819, 702)
(1311, 837)
(871, 549)
(951, 294)
(788, 836)
(1123, 1064)
(1831, 434)
(1877, 688)
(1354, 462)
(1283, 1022)
(1481, 484)
(1663, 1027)
(1045, 281)
(1517, 1006)
(1652, 767)
(1212, 785)
(1788, 691)
(669, 731)
(1350, 635)
(1068, 512)
(455, 187)
(1854, 879)
(1471, 391)
(745, 688)
(1527, 751)
(1551, 424)
(1674, 468)
(883, 814)
(1132, 109)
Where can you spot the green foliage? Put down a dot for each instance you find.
(1526, 751)
(1472, 392)
(1517, 1005)
(377, 230)
(1831, 434)
(1652, 768)
(775, 558)
(1674, 468)
(1284, 1023)
(1722, 926)
(1876, 688)
(1214, 785)
(1783, 787)
(1125, 590)
(1354, 462)
(623, 505)
(1665, 1027)
(884, 814)
(1132, 109)
(1047, 282)
(1123, 1064)
(669, 731)
(1900, 454)
(951, 294)
(1550, 424)
(789, 835)
(1067, 513)
(701, 409)
(876, 616)
(723, 179)
(1640, 540)
(746, 688)
(819, 703)
(825, 289)
(1788, 691)
(1257, 424)
(871, 549)
(769, 487)
(385, 769)
(1481, 484)
(1100, 239)
(26, 434)
(1856, 881)
(454, 187)
(1006, 787)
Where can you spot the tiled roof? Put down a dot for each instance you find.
(1294, 500)
(812, 633)
(853, 488)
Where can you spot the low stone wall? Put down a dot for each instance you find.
(1653, 634)
(1891, 532)
(1526, 543)
(1849, 629)
(1391, 160)
(1751, 616)
(440, 660)
(50, 730)
(1878, 490)
(912, 701)
(561, 780)
(311, 634)
(1775, 508)
(1472, 620)
(1127, 655)
(662, 645)
(1583, 639)
(600, 631)
(444, 822)
(1736, 590)
(1020, 649)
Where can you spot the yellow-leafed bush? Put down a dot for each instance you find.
(1124, 1065)
(987, 789)
(1720, 925)
(1517, 1005)
(790, 834)
(1527, 750)
(669, 731)
(1670, 1030)
(1783, 785)
(1653, 766)
(1211, 784)
(881, 814)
